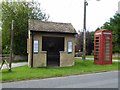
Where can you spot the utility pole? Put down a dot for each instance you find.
(84, 31)
(11, 45)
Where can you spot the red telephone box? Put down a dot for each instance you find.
(103, 47)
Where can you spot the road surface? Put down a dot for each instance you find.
(94, 80)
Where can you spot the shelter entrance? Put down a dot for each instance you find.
(53, 46)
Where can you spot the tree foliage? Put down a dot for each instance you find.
(114, 25)
(0, 42)
(20, 12)
(89, 42)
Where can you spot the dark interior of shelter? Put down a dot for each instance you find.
(53, 46)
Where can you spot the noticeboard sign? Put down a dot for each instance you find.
(69, 46)
(35, 46)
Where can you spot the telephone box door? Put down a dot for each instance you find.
(107, 56)
(97, 48)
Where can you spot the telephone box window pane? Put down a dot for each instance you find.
(107, 49)
(35, 46)
(97, 48)
(69, 46)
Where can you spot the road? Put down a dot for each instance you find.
(94, 80)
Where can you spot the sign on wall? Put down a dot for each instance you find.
(69, 46)
(35, 46)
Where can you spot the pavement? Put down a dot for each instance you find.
(92, 80)
(17, 64)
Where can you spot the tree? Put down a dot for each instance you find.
(89, 42)
(114, 25)
(0, 36)
(20, 12)
(79, 41)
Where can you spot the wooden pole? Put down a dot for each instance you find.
(11, 46)
(84, 32)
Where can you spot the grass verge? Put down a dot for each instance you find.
(116, 58)
(80, 67)
(91, 56)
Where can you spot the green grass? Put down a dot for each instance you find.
(24, 72)
(91, 56)
(116, 58)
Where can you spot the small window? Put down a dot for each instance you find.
(69, 46)
(35, 46)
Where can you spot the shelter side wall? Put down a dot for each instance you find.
(39, 59)
(67, 59)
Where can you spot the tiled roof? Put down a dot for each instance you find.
(45, 26)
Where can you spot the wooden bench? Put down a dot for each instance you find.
(5, 58)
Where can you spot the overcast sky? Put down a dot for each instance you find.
(71, 11)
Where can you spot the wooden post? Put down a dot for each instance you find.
(31, 33)
(11, 46)
(84, 31)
